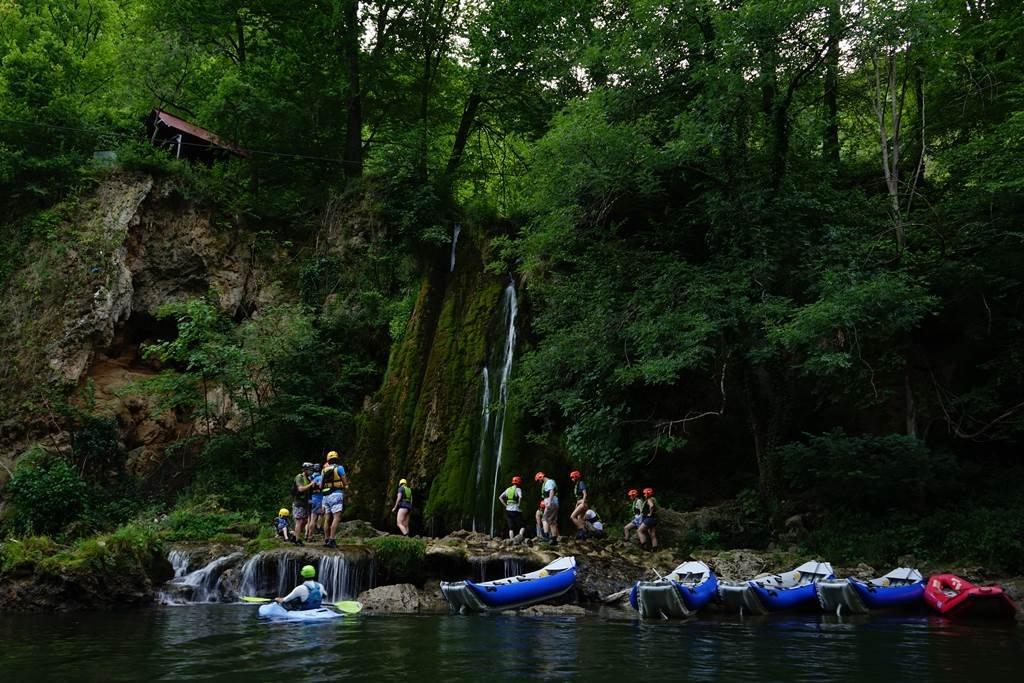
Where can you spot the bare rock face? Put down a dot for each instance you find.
(552, 611)
(402, 598)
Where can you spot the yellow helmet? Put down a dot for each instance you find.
(333, 455)
(283, 512)
(402, 482)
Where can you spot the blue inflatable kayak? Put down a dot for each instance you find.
(901, 588)
(273, 610)
(512, 592)
(684, 591)
(776, 592)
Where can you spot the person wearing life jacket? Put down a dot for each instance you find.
(512, 499)
(403, 506)
(281, 526)
(309, 594)
(549, 494)
(302, 488)
(579, 490)
(636, 512)
(316, 503)
(649, 520)
(593, 526)
(333, 482)
(538, 516)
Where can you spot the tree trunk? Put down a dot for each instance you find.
(830, 144)
(462, 135)
(352, 159)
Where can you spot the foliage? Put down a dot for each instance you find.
(46, 495)
(192, 524)
(398, 558)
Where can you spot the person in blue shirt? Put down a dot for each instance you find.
(316, 502)
(281, 526)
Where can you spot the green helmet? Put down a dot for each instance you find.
(308, 572)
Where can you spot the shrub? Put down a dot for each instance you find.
(398, 558)
(46, 495)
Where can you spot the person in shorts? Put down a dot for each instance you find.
(593, 527)
(333, 482)
(316, 503)
(649, 522)
(301, 489)
(549, 491)
(636, 512)
(281, 526)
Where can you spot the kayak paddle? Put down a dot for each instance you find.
(248, 598)
(346, 606)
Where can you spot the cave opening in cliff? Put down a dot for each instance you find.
(143, 328)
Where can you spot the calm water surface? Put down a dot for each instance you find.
(229, 642)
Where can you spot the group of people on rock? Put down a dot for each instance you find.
(318, 498)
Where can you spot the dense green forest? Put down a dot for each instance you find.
(768, 251)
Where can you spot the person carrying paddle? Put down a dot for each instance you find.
(636, 511)
(309, 594)
(333, 483)
(579, 490)
(512, 499)
(549, 491)
(403, 506)
(649, 520)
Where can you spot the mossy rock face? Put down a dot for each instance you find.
(423, 423)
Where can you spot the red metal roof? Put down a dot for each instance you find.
(181, 124)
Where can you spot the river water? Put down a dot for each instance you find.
(229, 642)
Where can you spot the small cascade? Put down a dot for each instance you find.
(179, 560)
(202, 585)
(492, 421)
(455, 240)
(514, 566)
(344, 576)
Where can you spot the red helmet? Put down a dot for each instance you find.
(517, 481)
(648, 491)
(539, 476)
(574, 475)
(633, 493)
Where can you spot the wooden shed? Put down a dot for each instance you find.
(186, 140)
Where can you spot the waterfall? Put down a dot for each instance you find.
(202, 585)
(455, 239)
(343, 577)
(492, 419)
(179, 562)
(514, 566)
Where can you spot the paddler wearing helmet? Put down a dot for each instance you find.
(649, 520)
(403, 506)
(512, 499)
(549, 494)
(636, 513)
(309, 594)
(281, 526)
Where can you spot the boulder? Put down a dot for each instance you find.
(552, 611)
(402, 598)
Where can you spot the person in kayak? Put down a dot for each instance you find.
(333, 483)
(281, 525)
(309, 594)
(512, 499)
(649, 521)
(579, 490)
(549, 491)
(316, 503)
(403, 506)
(302, 487)
(636, 512)
(593, 527)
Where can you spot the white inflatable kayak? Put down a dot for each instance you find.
(273, 610)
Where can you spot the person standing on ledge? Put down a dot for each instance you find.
(579, 490)
(333, 483)
(549, 491)
(649, 520)
(636, 511)
(512, 499)
(309, 594)
(403, 506)
(301, 491)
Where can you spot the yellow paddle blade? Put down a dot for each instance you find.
(349, 606)
(249, 598)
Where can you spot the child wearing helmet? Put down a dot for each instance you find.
(512, 499)
(579, 512)
(649, 520)
(281, 526)
(636, 513)
(403, 506)
(309, 594)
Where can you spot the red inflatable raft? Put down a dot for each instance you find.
(955, 597)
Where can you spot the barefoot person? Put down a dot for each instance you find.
(309, 594)
(403, 506)
(636, 511)
(579, 490)
(333, 482)
(649, 520)
(512, 499)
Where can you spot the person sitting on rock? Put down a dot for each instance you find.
(309, 594)
(512, 499)
(333, 483)
(636, 512)
(403, 506)
(649, 520)
(593, 527)
(281, 526)
(579, 490)
(549, 490)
